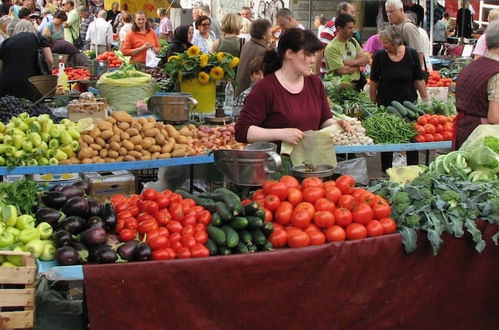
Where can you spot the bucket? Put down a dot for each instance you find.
(205, 94)
(44, 84)
(173, 107)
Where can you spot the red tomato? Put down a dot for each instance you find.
(447, 136)
(429, 137)
(347, 201)
(189, 220)
(117, 198)
(307, 207)
(316, 237)
(176, 211)
(272, 202)
(311, 227)
(389, 225)
(419, 129)
(345, 183)
(381, 210)
(429, 129)
(174, 226)
(120, 225)
(283, 213)
(149, 194)
(333, 194)
(158, 242)
(448, 127)
(312, 194)
(374, 228)
(258, 194)
(147, 226)
(300, 218)
(335, 233)
(127, 235)
(175, 237)
(298, 238)
(175, 198)
(324, 219)
(151, 207)
(311, 182)
(278, 189)
(422, 121)
(362, 214)
(131, 223)
(125, 214)
(266, 185)
(199, 251)
(324, 204)
(163, 217)
(163, 254)
(268, 215)
(439, 128)
(342, 217)
(199, 227)
(188, 241)
(183, 253)
(295, 196)
(134, 210)
(433, 121)
(246, 201)
(438, 137)
(204, 217)
(188, 230)
(278, 238)
(356, 231)
(201, 236)
(289, 181)
(121, 206)
(328, 185)
(420, 138)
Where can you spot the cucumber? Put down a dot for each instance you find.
(217, 235)
(208, 204)
(216, 220)
(251, 208)
(267, 229)
(252, 248)
(258, 237)
(267, 246)
(231, 199)
(239, 223)
(411, 114)
(260, 213)
(223, 250)
(411, 106)
(212, 247)
(240, 248)
(245, 237)
(231, 235)
(254, 222)
(400, 108)
(223, 210)
(218, 197)
(393, 111)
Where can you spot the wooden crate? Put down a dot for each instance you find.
(17, 293)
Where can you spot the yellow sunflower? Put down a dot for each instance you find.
(193, 51)
(203, 60)
(217, 72)
(234, 62)
(220, 56)
(173, 57)
(203, 77)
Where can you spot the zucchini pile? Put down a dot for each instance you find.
(407, 110)
(234, 229)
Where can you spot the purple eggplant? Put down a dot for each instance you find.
(78, 246)
(93, 236)
(49, 215)
(95, 222)
(94, 207)
(66, 255)
(73, 224)
(63, 237)
(127, 250)
(105, 255)
(108, 215)
(76, 205)
(55, 199)
(73, 190)
(142, 252)
(57, 187)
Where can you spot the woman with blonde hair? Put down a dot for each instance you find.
(244, 33)
(4, 22)
(481, 48)
(229, 41)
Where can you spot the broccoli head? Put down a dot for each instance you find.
(423, 180)
(401, 201)
(426, 193)
(412, 221)
(451, 197)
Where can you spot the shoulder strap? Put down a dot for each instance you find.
(241, 43)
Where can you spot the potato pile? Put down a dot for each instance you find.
(123, 138)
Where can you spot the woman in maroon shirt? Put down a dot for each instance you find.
(289, 100)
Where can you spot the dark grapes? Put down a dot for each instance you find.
(11, 106)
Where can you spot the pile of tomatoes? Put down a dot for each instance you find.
(432, 128)
(74, 73)
(317, 212)
(111, 58)
(435, 80)
(172, 226)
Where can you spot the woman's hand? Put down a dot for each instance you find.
(345, 124)
(291, 135)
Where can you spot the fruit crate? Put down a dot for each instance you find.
(17, 292)
(143, 176)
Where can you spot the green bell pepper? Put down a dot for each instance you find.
(14, 231)
(9, 215)
(32, 162)
(35, 139)
(48, 252)
(16, 260)
(6, 239)
(43, 161)
(68, 151)
(27, 146)
(7, 264)
(2, 227)
(65, 138)
(35, 247)
(45, 229)
(17, 141)
(2, 127)
(45, 136)
(25, 221)
(54, 132)
(29, 234)
(73, 132)
(60, 155)
(53, 144)
(35, 126)
(53, 161)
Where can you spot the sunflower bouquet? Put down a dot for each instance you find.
(192, 64)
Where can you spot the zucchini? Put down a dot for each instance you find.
(240, 248)
(231, 235)
(239, 223)
(251, 208)
(258, 237)
(260, 213)
(216, 220)
(254, 222)
(231, 199)
(267, 229)
(393, 111)
(252, 248)
(223, 210)
(267, 246)
(400, 108)
(212, 247)
(411, 106)
(207, 203)
(223, 250)
(245, 237)
(217, 235)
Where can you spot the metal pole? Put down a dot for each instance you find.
(463, 7)
(432, 16)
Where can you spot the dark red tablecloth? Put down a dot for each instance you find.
(367, 284)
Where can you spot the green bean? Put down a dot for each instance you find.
(386, 128)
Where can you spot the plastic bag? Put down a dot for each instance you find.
(316, 147)
(141, 79)
(481, 156)
(151, 59)
(356, 167)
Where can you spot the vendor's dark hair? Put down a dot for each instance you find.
(294, 39)
(135, 28)
(342, 20)
(259, 27)
(61, 15)
(23, 13)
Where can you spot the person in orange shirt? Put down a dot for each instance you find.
(140, 39)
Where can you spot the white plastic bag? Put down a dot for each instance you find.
(356, 167)
(151, 59)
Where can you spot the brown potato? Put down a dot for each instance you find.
(184, 131)
(122, 116)
(135, 154)
(136, 139)
(147, 142)
(124, 136)
(115, 146)
(115, 138)
(136, 125)
(122, 151)
(146, 157)
(113, 154)
(117, 130)
(172, 131)
(103, 153)
(165, 155)
(100, 141)
(168, 146)
(181, 139)
(159, 125)
(180, 146)
(151, 132)
(87, 139)
(103, 125)
(151, 119)
(83, 145)
(95, 132)
(106, 134)
(129, 158)
(111, 120)
(85, 153)
(192, 127)
(160, 139)
(75, 160)
(128, 145)
(178, 153)
(155, 155)
(147, 126)
(138, 147)
(145, 152)
(124, 126)
(164, 133)
(141, 120)
(132, 131)
(87, 161)
(120, 158)
(65, 162)
(190, 151)
(109, 160)
(154, 148)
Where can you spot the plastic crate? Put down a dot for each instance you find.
(17, 293)
(143, 176)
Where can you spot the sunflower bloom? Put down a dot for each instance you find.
(220, 56)
(234, 62)
(173, 57)
(217, 73)
(193, 51)
(203, 60)
(203, 77)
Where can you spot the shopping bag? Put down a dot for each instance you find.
(151, 59)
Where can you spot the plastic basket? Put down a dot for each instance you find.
(44, 84)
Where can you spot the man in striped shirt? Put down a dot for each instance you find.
(328, 33)
(86, 19)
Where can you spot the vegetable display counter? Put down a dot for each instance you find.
(194, 160)
(369, 283)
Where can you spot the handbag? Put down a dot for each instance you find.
(41, 60)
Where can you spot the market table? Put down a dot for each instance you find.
(370, 283)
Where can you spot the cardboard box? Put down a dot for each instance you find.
(103, 185)
(50, 180)
(12, 177)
